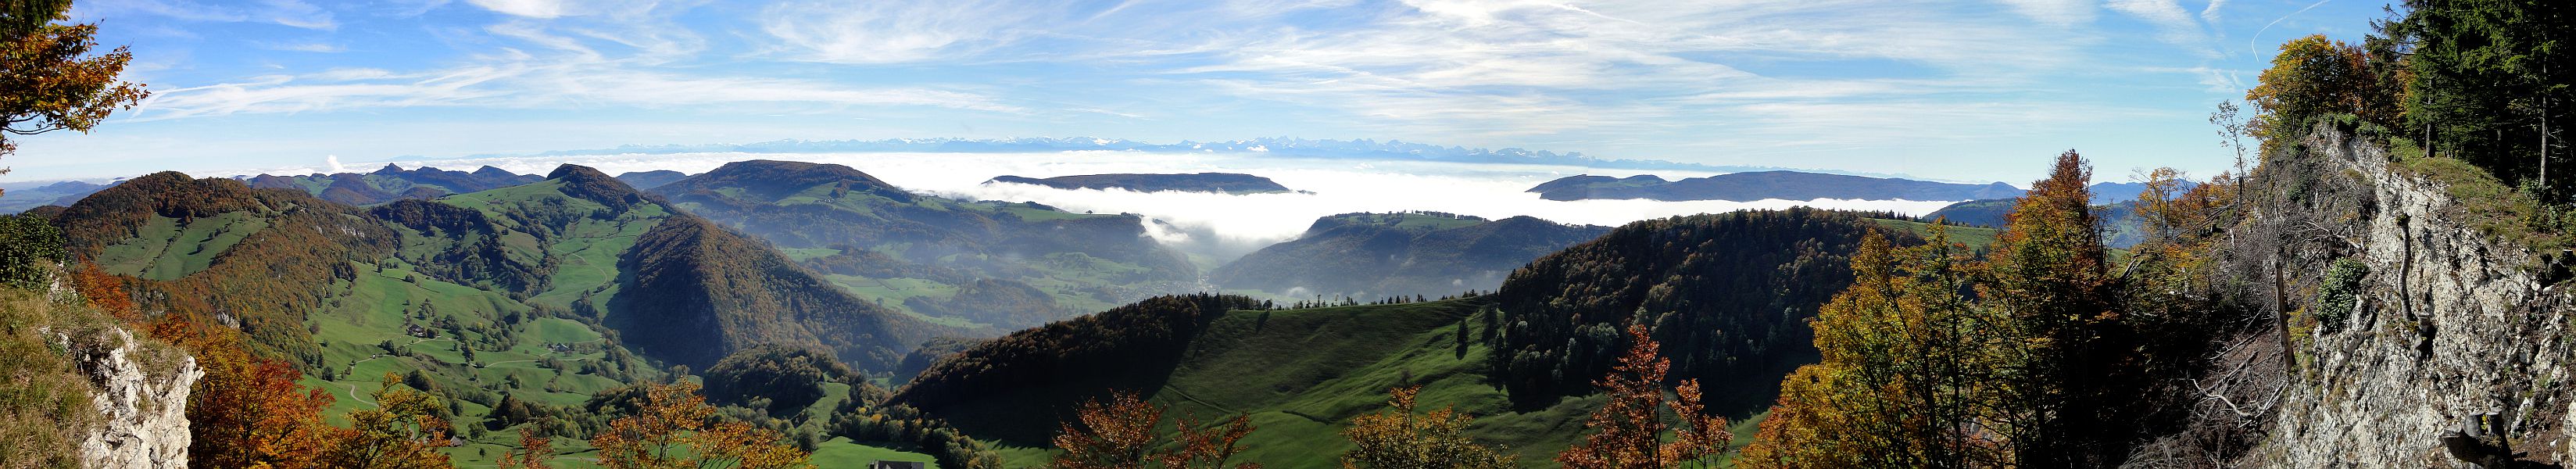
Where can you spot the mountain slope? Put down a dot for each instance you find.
(1222, 183)
(1727, 295)
(678, 287)
(1300, 374)
(216, 247)
(647, 180)
(1087, 262)
(1399, 254)
(501, 298)
(1760, 185)
(693, 293)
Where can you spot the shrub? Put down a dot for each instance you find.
(2340, 293)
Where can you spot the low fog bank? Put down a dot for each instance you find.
(1226, 226)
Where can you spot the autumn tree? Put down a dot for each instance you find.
(402, 431)
(535, 451)
(675, 428)
(1932, 359)
(2315, 76)
(105, 291)
(2048, 279)
(51, 80)
(1108, 435)
(1197, 446)
(1629, 429)
(247, 411)
(1121, 434)
(1402, 439)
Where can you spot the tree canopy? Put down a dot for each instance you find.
(54, 82)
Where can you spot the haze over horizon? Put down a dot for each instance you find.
(1961, 91)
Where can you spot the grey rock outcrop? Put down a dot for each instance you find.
(2450, 322)
(141, 390)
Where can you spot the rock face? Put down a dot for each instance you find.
(142, 392)
(2449, 323)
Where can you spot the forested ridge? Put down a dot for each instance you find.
(686, 278)
(1049, 368)
(1727, 294)
(1376, 255)
(392, 183)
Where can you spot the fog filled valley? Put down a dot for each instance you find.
(2370, 267)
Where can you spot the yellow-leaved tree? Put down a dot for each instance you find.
(1901, 383)
(1918, 373)
(403, 431)
(1401, 439)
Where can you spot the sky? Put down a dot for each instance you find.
(1981, 90)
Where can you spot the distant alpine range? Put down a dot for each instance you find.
(1761, 185)
(1222, 183)
(1361, 149)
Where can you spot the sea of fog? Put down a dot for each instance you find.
(1223, 225)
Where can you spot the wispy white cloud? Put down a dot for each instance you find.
(1687, 80)
(305, 47)
(894, 31)
(526, 8)
(2174, 25)
(293, 13)
(2055, 12)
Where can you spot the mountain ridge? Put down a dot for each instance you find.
(1764, 185)
(1221, 183)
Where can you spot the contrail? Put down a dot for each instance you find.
(2251, 43)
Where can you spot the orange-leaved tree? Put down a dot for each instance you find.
(534, 452)
(1121, 434)
(675, 428)
(1630, 427)
(247, 411)
(1402, 439)
(48, 79)
(105, 291)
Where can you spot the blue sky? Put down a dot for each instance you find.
(1957, 90)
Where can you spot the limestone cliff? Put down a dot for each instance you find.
(140, 390)
(2450, 321)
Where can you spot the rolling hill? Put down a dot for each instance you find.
(1300, 374)
(511, 294)
(1221, 183)
(392, 183)
(893, 247)
(1370, 256)
(1727, 293)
